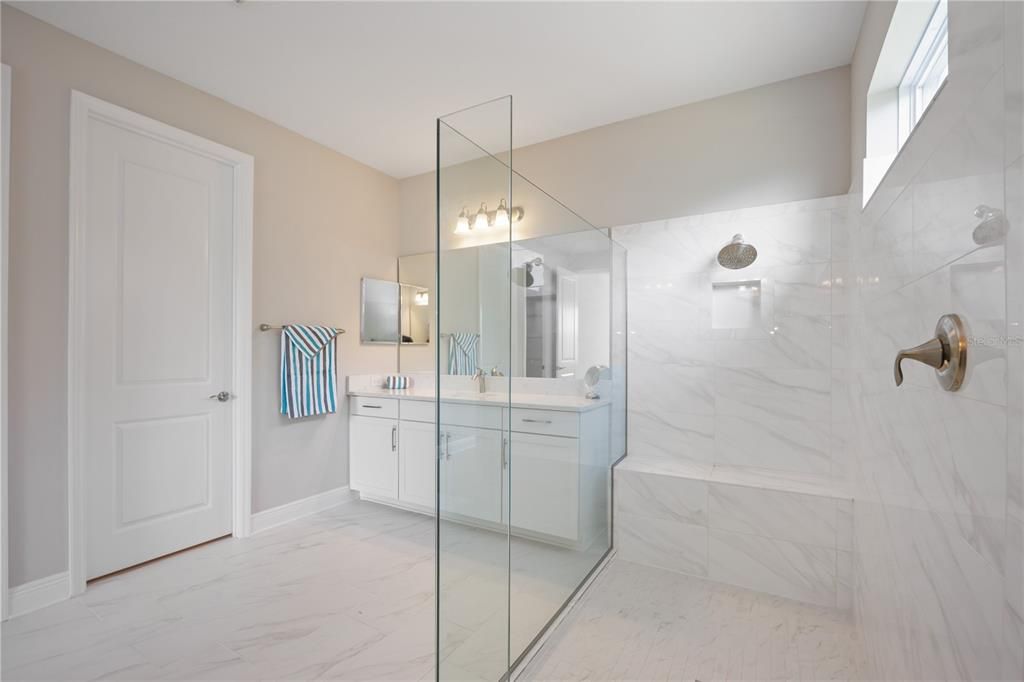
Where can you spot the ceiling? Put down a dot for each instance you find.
(368, 79)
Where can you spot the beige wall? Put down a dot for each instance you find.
(322, 221)
(777, 143)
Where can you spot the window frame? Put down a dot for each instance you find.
(930, 58)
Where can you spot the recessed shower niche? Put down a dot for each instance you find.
(741, 304)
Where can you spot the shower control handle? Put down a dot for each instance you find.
(946, 353)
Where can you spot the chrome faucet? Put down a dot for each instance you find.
(480, 377)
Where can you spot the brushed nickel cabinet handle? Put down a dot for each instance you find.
(536, 421)
(946, 353)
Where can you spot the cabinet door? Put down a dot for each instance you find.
(373, 456)
(544, 484)
(416, 463)
(471, 473)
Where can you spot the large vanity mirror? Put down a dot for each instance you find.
(560, 318)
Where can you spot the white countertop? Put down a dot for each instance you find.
(540, 401)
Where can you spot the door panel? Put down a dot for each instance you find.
(544, 476)
(374, 456)
(568, 325)
(417, 463)
(164, 307)
(471, 481)
(174, 451)
(158, 261)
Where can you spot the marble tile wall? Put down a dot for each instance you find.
(706, 391)
(936, 476)
(779, 542)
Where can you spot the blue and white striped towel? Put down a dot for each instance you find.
(463, 348)
(309, 378)
(396, 381)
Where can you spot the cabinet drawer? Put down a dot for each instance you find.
(480, 416)
(374, 407)
(545, 422)
(417, 410)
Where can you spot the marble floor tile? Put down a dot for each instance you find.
(643, 623)
(345, 594)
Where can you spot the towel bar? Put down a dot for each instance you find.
(267, 327)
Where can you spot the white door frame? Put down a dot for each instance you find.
(84, 108)
(5, 86)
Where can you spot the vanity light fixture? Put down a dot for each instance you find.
(501, 215)
(462, 224)
(481, 222)
(500, 218)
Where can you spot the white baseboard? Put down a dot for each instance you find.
(270, 518)
(37, 594)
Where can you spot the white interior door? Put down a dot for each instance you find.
(157, 261)
(567, 344)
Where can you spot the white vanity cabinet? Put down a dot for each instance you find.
(558, 472)
(542, 471)
(375, 470)
(416, 463)
(471, 462)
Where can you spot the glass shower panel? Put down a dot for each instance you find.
(530, 376)
(472, 362)
(560, 440)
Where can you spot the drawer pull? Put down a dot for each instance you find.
(536, 421)
(372, 407)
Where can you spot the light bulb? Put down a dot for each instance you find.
(501, 215)
(480, 222)
(462, 224)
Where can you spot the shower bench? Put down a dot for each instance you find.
(759, 530)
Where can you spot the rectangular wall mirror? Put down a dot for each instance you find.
(378, 318)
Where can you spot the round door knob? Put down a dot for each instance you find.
(223, 396)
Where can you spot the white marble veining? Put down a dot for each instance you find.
(776, 514)
(671, 545)
(673, 498)
(755, 396)
(641, 623)
(802, 572)
(346, 594)
(734, 528)
(936, 476)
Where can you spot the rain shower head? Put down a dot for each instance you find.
(737, 254)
